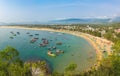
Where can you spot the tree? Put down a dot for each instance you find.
(70, 70)
(11, 64)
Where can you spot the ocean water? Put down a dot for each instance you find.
(76, 49)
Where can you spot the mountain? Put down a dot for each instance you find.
(115, 19)
(70, 21)
(2, 23)
(81, 20)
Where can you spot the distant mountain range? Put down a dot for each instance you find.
(115, 19)
(81, 20)
(87, 20)
(72, 21)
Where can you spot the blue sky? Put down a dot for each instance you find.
(45, 10)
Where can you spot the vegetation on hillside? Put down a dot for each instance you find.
(12, 65)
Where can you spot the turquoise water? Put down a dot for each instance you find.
(76, 49)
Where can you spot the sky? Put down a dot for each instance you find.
(46, 10)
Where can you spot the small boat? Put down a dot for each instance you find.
(14, 34)
(36, 34)
(51, 40)
(27, 33)
(43, 45)
(11, 32)
(51, 54)
(11, 37)
(45, 41)
(58, 51)
(69, 46)
(33, 40)
(43, 38)
(30, 35)
(54, 47)
(62, 51)
(59, 43)
(36, 38)
(18, 33)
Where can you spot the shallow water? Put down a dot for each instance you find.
(77, 50)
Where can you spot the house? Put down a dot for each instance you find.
(117, 30)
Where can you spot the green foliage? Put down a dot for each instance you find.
(70, 70)
(57, 74)
(71, 67)
(116, 47)
(10, 63)
(116, 65)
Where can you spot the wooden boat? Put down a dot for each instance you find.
(30, 35)
(43, 38)
(45, 41)
(43, 45)
(59, 43)
(14, 34)
(18, 33)
(36, 34)
(27, 33)
(54, 47)
(51, 54)
(36, 38)
(11, 37)
(11, 32)
(33, 40)
(58, 51)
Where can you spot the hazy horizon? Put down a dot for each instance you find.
(46, 10)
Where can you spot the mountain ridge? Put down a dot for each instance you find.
(71, 21)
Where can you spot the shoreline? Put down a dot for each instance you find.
(96, 42)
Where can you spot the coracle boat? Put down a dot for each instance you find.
(51, 54)
(58, 51)
(11, 37)
(59, 43)
(18, 33)
(36, 34)
(43, 45)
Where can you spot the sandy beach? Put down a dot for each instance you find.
(99, 44)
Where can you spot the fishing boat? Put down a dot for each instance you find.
(58, 51)
(11, 32)
(43, 38)
(51, 54)
(33, 40)
(45, 41)
(11, 37)
(30, 35)
(14, 34)
(36, 38)
(54, 47)
(27, 33)
(18, 33)
(59, 43)
(36, 34)
(42, 45)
